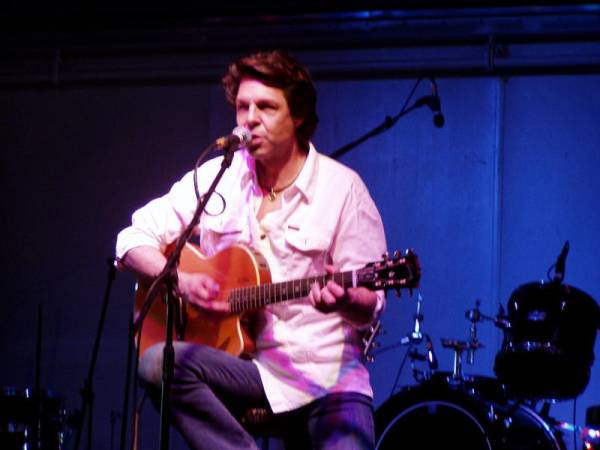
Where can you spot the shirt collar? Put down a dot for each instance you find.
(307, 179)
(249, 165)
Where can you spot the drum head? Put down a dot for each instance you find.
(437, 416)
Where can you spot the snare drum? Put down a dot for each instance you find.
(474, 415)
(27, 422)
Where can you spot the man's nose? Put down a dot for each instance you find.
(252, 116)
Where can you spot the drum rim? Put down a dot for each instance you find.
(437, 402)
(395, 407)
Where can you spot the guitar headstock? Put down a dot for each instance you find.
(395, 272)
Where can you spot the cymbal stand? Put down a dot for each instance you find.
(412, 340)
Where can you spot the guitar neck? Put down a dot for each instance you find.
(252, 297)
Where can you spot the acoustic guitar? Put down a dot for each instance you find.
(245, 282)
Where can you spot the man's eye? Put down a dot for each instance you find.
(266, 106)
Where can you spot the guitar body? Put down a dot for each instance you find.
(234, 267)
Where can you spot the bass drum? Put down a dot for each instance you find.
(473, 415)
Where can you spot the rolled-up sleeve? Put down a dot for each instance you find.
(160, 221)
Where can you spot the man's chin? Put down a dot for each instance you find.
(255, 151)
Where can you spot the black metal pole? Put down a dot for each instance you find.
(87, 392)
(126, 393)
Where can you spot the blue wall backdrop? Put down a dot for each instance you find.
(487, 202)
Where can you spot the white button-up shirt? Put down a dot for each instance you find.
(326, 217)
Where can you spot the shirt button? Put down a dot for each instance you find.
(262, 236)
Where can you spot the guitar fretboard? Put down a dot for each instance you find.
(252, 297)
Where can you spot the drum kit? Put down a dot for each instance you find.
(549, 331)
(32, 420)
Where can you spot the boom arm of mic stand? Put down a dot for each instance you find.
(388, 123)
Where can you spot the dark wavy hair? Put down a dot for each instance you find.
(279, 69)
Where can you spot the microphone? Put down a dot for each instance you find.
(559, 267)
(435, 105)
(431, 359)
(240, 137)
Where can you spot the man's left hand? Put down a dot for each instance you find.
(355, 304)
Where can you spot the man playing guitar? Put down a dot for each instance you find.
(305, 215)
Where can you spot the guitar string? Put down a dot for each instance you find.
(249, 297)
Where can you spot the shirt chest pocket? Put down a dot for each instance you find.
(308, 249)
(221, 232)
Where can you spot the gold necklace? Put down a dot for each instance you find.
(272, 192)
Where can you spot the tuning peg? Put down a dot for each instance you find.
(385, 256)
(396, 254)
(370, 358)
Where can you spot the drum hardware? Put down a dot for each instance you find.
(429, 357)
(474, 316)
(413, 339)
(471, 346)
(590, 434)
(458, 347)
(368, 341)
(590, 437)
(415, 336)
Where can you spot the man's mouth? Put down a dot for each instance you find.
(254, 143)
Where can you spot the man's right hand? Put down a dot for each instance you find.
(198, 289)
(201, 291)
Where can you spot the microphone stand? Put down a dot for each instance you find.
(87, 392)
(167, 280)
(388, 122)
(126, 395)
(37, 389)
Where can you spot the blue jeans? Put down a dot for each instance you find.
(212, 389)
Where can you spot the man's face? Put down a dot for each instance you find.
(264, 111)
